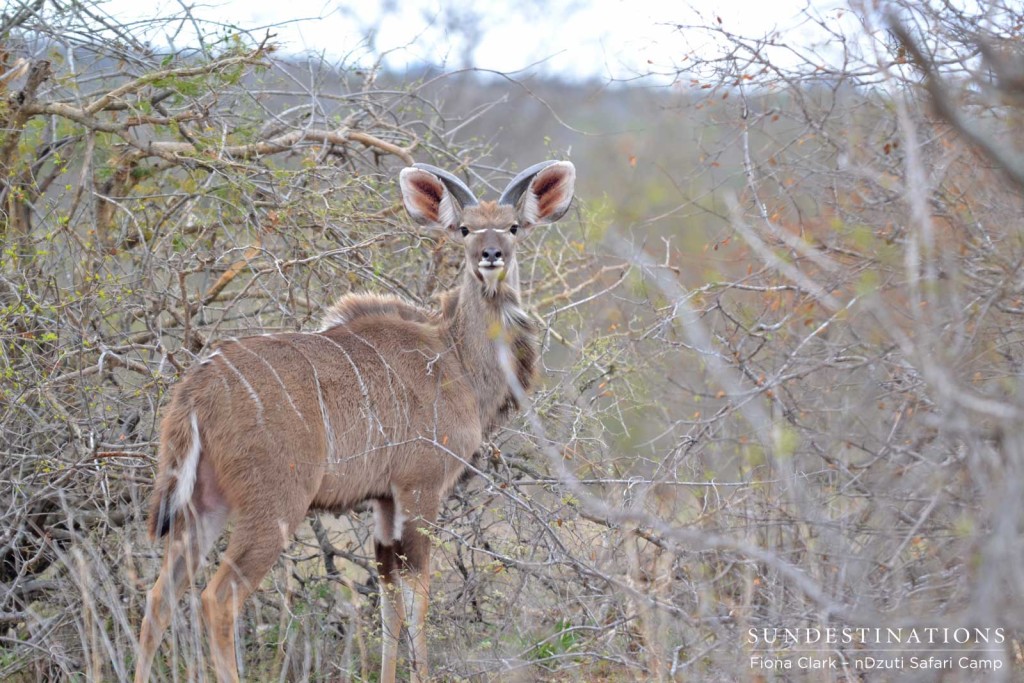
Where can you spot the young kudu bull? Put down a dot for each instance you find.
(387, 403)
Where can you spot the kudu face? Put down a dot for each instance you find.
(488, 231)
(489, 238)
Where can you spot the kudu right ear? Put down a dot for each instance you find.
(542, 193)
(434, 198)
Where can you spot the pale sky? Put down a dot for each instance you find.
(598, 38)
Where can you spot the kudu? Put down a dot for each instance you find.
(387, 403)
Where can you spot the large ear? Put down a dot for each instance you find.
(546, 190)
(428, 200)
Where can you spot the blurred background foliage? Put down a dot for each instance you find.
(782, 340)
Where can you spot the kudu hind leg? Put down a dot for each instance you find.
(188, 543)
(254, 547)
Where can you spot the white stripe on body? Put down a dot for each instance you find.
(365, 390)
(332, 448)
(248, 387)
(280, 382)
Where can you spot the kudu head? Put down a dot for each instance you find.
(488, 230)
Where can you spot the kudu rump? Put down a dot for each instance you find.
(387, 403)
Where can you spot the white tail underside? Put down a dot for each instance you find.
(187, 473)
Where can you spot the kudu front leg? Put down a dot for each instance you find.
(392, 607)
(401, 579)
(414, 553)
(403, 564)
(418, 581)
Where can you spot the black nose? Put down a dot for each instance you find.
(492, 254)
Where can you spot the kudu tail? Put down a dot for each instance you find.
(180, 448)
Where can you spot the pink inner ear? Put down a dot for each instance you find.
(550, 189)
(426, 195)
(430, 189)
(547, 180)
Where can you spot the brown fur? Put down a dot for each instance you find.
(387, 403)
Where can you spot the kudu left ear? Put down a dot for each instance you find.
(542, 193)
(434, 198)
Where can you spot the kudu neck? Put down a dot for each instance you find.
(512, 278)
(477, 303)
(484, 328)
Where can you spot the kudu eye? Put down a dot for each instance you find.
(514, 228)
(464, 230)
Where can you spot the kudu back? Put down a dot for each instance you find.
(387, 403)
